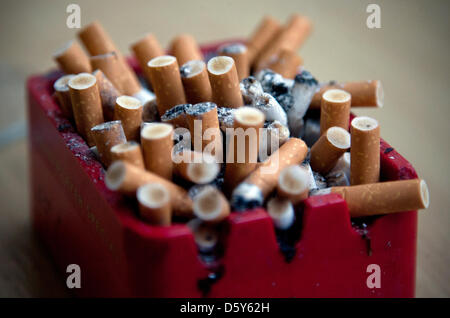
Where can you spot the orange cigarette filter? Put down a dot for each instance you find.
(108, 94)
(224, 82)
(127, 178)
(166, 82)
(262, 36)
(239, 53)
(266, 175)
(62, 93)
(365, 151)
(335, 110)
(286, 64)
(196, 82)
(206, 115)
(113, 67)
(157, 144)
(211, 206)
(385, 197)
(72, 59)
(154, 204)
(326, 152)
(364, 93)
(129, 110)
(242, 159)
(291, 37)
(185, 48)
(196, 167)
(293, 184)
(105, 136)
(146, 49)
(130, 152)
(86, 104)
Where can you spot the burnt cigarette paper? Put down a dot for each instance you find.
(340, 174)
(107, 135)
(238, 52)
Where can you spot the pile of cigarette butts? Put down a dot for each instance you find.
(149, 131)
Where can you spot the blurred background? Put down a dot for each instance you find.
(409, 54)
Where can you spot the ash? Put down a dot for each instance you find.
(232, 48)
(200, 108)
(175, 111)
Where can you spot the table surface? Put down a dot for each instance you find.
(409, 54)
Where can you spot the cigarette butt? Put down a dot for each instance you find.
(176, 116)
(129, 110)
(130, 152)
(287, 63)
(72, 59)
(205, 235)
(293, 184)
(196, 82)
(114, 67)
(281, 211)
(108, 94)
(328, 149)
(105, 136)
(385, 197)
(291, 37)
(96, 40)
(146, 49)
(263, 180)
(263, 34)
(185, 48)
(335, 110)
(243, 157)
(340, 174)
(365, 151)
(154, 204)
(224, 81)
(239, 53)
(196, 167)
(211, 206)
(127, 178)
(157, 143)
(364, 93)
(207, 114)
(166, 82)
(150, 112)
(86, 104)
(62, 92)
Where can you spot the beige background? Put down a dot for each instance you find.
(409, 54)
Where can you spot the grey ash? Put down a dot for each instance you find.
(200, 108)
(107, 125)
(306, 77)
(232, 48)
(175, 111)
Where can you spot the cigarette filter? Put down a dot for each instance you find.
(239, 53)
(130, 152)
(196, 167)
(154, 204)
(96, 40)
(340, 174)
(108, 94)
(224, 82)
(365, 151)
(384, 197)
(291, 37)
(328, 149)
(243, 157)
(281, 211)
(263, 180)
(129, 110)
(166, 82)
(205, 235)
(176, 116)
(127, 178)
(264, 34)
(335, 110)
(293, 184)
(86, 104)
(145, 50)
(105, 136)
(364, 93)
(210, 205)
(72, 59)
(185, 48)
(287, 63)
(196, 82)
(207, 114)
(62, 93)
(157, 143)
